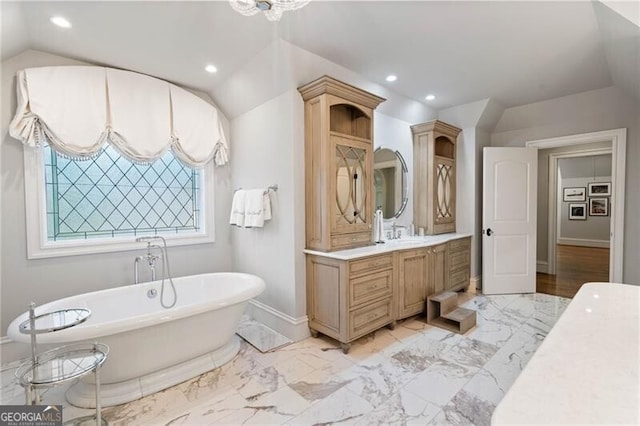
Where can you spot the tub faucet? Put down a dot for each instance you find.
(150, 258)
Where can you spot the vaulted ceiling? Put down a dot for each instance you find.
(513, 52)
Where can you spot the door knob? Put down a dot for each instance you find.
(489, 232)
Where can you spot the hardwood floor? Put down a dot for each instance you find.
(574, 267)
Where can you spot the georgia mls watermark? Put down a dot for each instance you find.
(30, 415)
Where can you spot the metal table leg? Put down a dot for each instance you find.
(98, 411)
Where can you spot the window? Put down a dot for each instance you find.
(103, 203)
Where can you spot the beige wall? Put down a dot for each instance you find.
(591, 111)
(43, 280)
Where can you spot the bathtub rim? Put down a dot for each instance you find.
(89, 330)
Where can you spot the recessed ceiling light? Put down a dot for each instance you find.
(430, 97)
(391, 78)
(211, 68)
(60, 21)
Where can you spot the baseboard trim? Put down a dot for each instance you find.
(542, 266)
(294, 328)
(582, 242)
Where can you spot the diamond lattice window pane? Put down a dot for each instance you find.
(109, 196)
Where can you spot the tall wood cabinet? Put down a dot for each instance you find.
(434, 176)
(338, 164)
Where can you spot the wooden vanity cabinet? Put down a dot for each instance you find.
(339, 186)
(412, 281)
(419, 274)
(438, 273)
(434, 176)
(348, 299)
(459, 264)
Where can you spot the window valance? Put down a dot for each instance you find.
(77, 109)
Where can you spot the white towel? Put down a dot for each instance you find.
(266, 201)
(255, 214)
(238, 208)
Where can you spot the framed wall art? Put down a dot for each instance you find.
(574, 194)
(578, 211)
(600, 189)
(598, 207)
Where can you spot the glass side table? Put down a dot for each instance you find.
(59, 365)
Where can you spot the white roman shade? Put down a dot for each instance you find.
(194, 119)
(65, 105)
(78, 109)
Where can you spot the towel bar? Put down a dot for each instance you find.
(273, 188)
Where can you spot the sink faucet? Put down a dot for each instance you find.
(395, 234)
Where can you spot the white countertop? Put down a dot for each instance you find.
(389, 246)
(586, 370)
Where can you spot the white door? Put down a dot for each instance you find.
(510, 177)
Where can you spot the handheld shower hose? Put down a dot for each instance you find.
(165, 264)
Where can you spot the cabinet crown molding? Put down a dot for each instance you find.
(330, 85)
(436, 126)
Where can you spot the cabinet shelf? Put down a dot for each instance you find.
(350, 120)
(348, 136)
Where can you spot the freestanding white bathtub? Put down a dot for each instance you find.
(152, 348)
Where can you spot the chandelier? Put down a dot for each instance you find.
(272, 8)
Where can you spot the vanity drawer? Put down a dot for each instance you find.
(369, 318)
(370, 263)
(460, 244)
(459, 278)
(459, 259)
(370, 287)
(351, 240)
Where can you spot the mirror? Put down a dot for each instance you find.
(390, 181)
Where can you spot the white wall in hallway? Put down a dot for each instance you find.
(578, 172)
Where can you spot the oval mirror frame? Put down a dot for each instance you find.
(405, 182)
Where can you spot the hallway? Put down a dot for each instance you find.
(575, 266)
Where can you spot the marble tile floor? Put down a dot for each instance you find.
(260, 336)
(415, 374)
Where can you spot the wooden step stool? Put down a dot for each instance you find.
(443, 311)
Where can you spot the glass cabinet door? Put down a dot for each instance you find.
(445, 190)
(351, 212)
